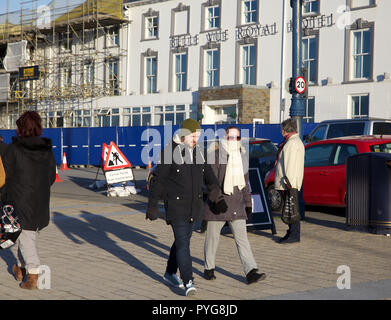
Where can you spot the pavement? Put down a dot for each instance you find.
(102, 248)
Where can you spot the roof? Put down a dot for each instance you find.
(354, 120)
(83, 15)
(136, 3)
(251, 140)
(104, 8)
(255, 140)
(357, 139)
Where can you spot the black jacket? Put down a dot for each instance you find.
(180, 182)
(30, 170)
(3, 148)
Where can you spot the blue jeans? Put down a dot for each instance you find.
(180, 251)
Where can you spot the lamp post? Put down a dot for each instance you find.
(297, 108)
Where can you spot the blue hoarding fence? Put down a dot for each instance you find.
(83, 146)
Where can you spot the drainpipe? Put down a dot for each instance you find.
(128, 52)
(282, 58)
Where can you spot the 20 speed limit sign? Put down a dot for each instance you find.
(300, 85)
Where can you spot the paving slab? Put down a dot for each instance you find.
(100, 248)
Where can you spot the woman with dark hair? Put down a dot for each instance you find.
(30, 171)
(231, 170)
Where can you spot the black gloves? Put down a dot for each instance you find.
(249, 211)
(221, 206)
(152, 213)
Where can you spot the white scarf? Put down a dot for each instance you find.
(234, 174)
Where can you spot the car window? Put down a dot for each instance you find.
(266, 148)
(345, 129)
(318, 156)
(381, 147)
(342, 152)
(318, 134)
(381, 128)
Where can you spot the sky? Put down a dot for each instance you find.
(30, 8)
(15, 5)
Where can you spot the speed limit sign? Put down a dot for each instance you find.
(300, 85)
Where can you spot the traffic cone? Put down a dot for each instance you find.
(148, 175)
(57, 177)
(64, 163)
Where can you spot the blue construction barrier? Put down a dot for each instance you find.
(83, 146)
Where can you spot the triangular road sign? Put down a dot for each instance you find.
(105, 152)
(115, 159)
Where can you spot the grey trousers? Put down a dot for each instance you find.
(239, 232)
(28, 251)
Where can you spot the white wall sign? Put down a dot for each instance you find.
(183, 41)
(314, 23)
(255, 31)
(116, 176)
(217, 36)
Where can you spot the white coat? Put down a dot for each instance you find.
(290, 163)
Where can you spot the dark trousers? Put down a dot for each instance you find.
(180, 251)
(301, 204)
(294, 231)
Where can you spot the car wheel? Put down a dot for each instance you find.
(274, 198)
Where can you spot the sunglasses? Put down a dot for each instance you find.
(231, 138)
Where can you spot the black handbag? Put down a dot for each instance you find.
(290, 210)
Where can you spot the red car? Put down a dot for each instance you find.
(324, 182)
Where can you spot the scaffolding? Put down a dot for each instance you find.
(75, 45)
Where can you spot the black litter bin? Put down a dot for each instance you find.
(368, 191)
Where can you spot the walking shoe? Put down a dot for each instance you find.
(209, 274)
(285, 237)
(288, 240)
(190, 289)
(18, 272)
(173, 280)
(253, 276)
(31, 282)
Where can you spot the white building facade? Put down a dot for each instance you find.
(230, 61)
(217, 61)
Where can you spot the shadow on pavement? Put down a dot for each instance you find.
(332, 217)
(329, 219)
(95, 231)
(83, 182)
(9, 258)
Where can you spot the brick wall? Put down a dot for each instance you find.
(254, 102)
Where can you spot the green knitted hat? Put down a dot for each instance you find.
(189, 126)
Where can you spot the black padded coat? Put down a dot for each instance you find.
(30, 170)
(180, 182)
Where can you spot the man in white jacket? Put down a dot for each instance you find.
(290, 163)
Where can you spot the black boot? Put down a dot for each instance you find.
(288, 232)
(209, 274)
(253, 276)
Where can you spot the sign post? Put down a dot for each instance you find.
(297, 109)
(116, 167)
